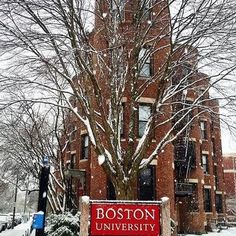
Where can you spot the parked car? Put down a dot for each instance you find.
(1, 227)
(18, 218)
(4, 221)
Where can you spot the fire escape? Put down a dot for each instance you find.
(184, 148)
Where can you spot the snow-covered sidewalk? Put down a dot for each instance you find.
(22, 229)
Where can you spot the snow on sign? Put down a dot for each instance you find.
(124, 219)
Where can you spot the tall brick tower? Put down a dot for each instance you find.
(132, 41)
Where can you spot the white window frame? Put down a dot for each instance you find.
(203, 129)
(143, 117)
(144, 61)
(84, 147)
(205, 164)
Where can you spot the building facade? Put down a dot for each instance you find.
(188, 170)
(229, 161)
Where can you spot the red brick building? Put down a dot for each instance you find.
(229, 161)
(188, 170)
(230, 174)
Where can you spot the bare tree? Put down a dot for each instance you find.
(96, 53)
(6, 196)
(28, 134)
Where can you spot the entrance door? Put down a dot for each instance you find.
(146, 190)
(111, 195)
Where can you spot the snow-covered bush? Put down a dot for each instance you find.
(63, 225)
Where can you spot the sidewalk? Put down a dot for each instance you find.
(22, 229)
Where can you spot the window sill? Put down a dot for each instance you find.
(142, 77)
(83, 160)
(204, 140)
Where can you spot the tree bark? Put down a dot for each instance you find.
(126, 190)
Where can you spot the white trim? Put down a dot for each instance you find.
(194, 181)
(205, 152)
(230, 171)
(84, 131)
(153, 162)
(146, 100)
(190, 99)
(73, 152)
(124, 99)
(193, 139)
(207, 186)
(219, 192)
(83, 160)
(229, 155)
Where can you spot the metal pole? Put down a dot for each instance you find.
(14, 208)
(43, 188)
(26, 194)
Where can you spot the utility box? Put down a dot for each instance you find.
(38, 220)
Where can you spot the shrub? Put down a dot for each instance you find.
(63, 225)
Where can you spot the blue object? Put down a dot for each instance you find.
(38, 220)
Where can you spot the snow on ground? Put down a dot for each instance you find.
(22, 229)
(224, 232)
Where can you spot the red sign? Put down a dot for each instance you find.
(125, 219)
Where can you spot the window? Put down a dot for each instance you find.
(144, 61)
(147, 184)
(84, 146)
(219, 205)
(207, 200)
(72, 161)
(73, 134)
(144, 113)
(187, 69)
(194, 204)
(203, 129)
(118, 7)
(145, 7)
(216, 177)
(191, 156)
(205, 163)
(122, 121)
(213, 148)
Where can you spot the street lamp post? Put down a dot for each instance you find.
(14, 207)
(43, 188)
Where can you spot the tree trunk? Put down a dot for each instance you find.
(126, 190)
